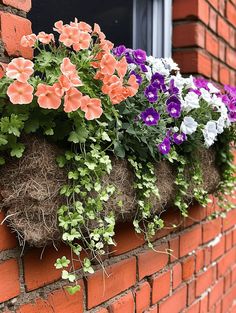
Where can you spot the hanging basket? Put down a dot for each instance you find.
(30, 190)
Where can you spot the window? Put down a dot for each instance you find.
(144, 24)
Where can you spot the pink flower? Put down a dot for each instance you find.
(20, 69)
(28, 41)
(83, 43)
(58, 27)
(45, 38)
(47, 97)
(108, 64)
(81, 26)
(62, 85)
(20, 93)
(72, 100)
(69, 35)
(91, 107)
(69, 70)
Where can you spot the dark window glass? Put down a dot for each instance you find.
(114, 16)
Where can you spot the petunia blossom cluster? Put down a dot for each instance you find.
(79, 61)
(179, 109)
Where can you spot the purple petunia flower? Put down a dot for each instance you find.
(143, 68)
(151, 93)
(129, 56)
(119, 51)
(139, 56)
(164, 146)
(179, 138)
(232, 116)
(138, 77)
(173, 90)
(200, 82)
(196, 91)
(158, 78)
(174, 109)
(150, 116)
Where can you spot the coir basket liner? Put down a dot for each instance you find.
(30, 189)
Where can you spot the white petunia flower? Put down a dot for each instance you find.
(132, 66)
(210, 133)
(205, 95)
(170, 64)
(148, 74)
(189, 125)
(212, 88)
(220, 125)
(191, 101)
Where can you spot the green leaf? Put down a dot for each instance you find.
(2, 161)
(62, 262)
(3, 140)
(119, 150)
(72, 289)
(78, 136)
(17, 150)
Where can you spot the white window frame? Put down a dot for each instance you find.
(157, 16)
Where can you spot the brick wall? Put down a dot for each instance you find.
(199, 275)
(204, 38)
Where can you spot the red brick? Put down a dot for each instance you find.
(123, 304)
(196, 213)
(203, 11)
(204, 305)
(230, 57)
(188, 266)
(204, 280)
(204, 64)
(187, 35)
(176, 303)
(191, 288)
(150, 262)
(218, 307)
(41, 271)
(223, 28)
(215, 70)
(9, 280)
(228, 299)
(214, 3)
(211, 229)
(120, 276)
(190, 240)
(191, 66)
(228, 241)
(218, 249)
(207, 256)
(161, 287)
(232, 37)
(224, 74)
(213, 18)
(24, 5)
(227, 281)
(230, 220)
(174, 247)
(7, 239)
(176, 275)
(222, 7)
(233, 275)
(142, 298)
(39, 306)
(13, 27)
(183, 9)
(124, 231)
(231, 12)
(194, 308)
(226, 262)
(222, 51)
(216, 293)
(199, 260)
(212, 44)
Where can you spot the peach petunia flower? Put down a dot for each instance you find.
(108, 64)
(69, 35)
(91, 107)
(20, 93)
(98, 31)
(20, 69)
(63, 85)
(72, 100)
(28, 41)
(45, 38)
(47, 97)
(122, 67)
(58, 27)
(132, 85)
(69, 70)
(81, 26)
(83, 43)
